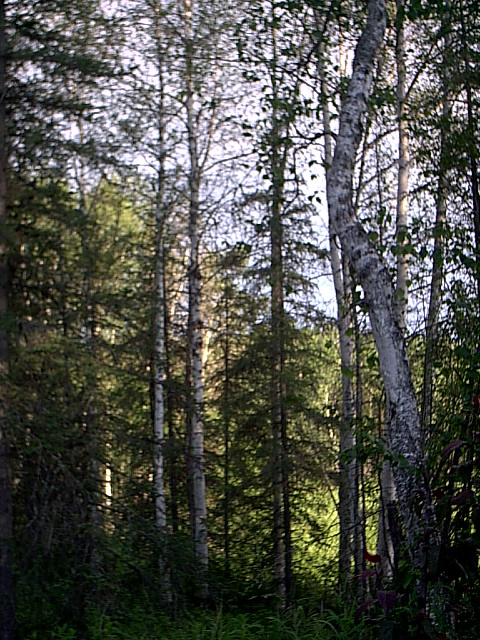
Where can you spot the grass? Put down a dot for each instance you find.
(221, 625)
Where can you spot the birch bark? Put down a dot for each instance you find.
(404, 431)
(342, 285)
(160, 333)
(343, 295)
(199, 518)
(401, 290)
(385, 546)
(347, 491)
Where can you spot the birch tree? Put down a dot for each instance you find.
(401, 285)
(203, 39)
(194, 309)
(404, 436)
(385, 546)
(158, 50)
(440, 227)
(471, 129)
(343, 294)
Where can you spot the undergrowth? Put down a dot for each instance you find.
(198, 624)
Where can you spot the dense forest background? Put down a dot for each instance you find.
(239, 319)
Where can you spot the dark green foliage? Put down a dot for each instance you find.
(55, 73)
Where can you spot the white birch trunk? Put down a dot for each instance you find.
(401, 292)
(404, 432)
(199, 518)
(431, 332)
(346, 491)
(385, 546)
(342, 285)
(197, 444)
(159, 390)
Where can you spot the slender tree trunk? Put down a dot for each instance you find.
(281, 488)
(188, 430)
(7, 594)
(348, 494)
(404, 436)
(172, 440)
(282, 526)
(88, 200)
(90, 415)
(431, 331)
(343, 294)
(159, 413)
(385, 546)
(401, 290)
(91, 423)
(287, 520)
(472, 150)
(196, 335)
(226, 433)
(197, 441)
(278, 390)
(160, 334)
(278, 408)
(359, 542)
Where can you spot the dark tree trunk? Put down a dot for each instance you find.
(281, 485)
(472, 150)
(7, 597)
(226, 433)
